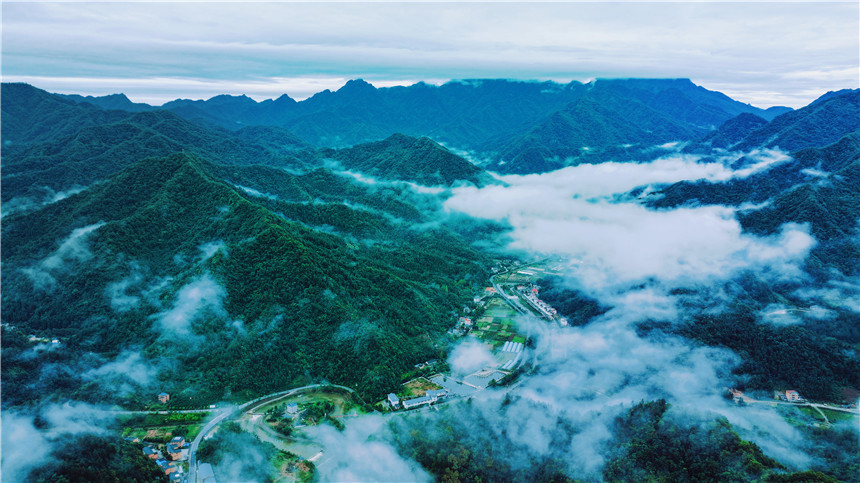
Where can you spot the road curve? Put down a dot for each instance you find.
(231, 412)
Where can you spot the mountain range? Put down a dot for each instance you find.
(242, 247)
(520, 124)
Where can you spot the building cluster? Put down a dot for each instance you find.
(430, 363)
(790, 395)
(430, 397)
(463, 326)
(544, 308)
(177, 450)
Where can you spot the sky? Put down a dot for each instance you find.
(773, 53)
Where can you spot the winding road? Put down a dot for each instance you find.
(244, 408)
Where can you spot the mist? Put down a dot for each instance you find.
(359, 454)
(201, 295)
(631, 259)
(613, 243)
(73, 249)
(29, 436)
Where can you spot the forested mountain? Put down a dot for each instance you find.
(332, 264)
(487, 116)
(733, 131)
(91, 153)
(401, 157)
(37, 169)
(806, 165)
(228, 248)
(818, 186)
(109, 102)
(822, 122)
(818, 124)
(30, 115)
(360, 314)
(619, 120)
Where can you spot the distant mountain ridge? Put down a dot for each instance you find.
(82, 144)
(518, 121)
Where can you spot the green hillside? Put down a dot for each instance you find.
(401, 157)
(298, 304)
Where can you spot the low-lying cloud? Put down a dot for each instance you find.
(470, 356)
(46, 196)
(129, 366)
(208, 250)
(614, 244)
(630, 258)
(201, 295)
(587, 376)
(73, 249)
(121, 299)
(26, 446)
(358, 454)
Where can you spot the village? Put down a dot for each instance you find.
(493, 321)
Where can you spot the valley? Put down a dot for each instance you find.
(327, 290)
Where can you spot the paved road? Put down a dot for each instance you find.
(244, 408)
(816, 406)
(513, 302)
(192, 458)
(165, 411)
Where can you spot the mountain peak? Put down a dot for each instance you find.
(285, 99)
(227, 98)
(408, 158)
(832, 94)
(356, 86)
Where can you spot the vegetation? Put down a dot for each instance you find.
(356, 314)
(92, 458)
(401, 157)
(575, 306)
(219, 264)
(651, 446)
(238, 456)
(780, 357)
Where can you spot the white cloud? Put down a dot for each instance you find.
(229, 48)
(73, 249)
(120, 299)
(571, 212)
(128, 366)
(358, 454)
(26, 447)
(208, 250)
(469, 356)
(844, 294)
(193, 299)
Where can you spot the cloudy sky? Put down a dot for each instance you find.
(767, 54)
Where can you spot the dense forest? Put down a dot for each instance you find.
(85, 458)
(649, 443)
(353, 312)
(208, 250)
